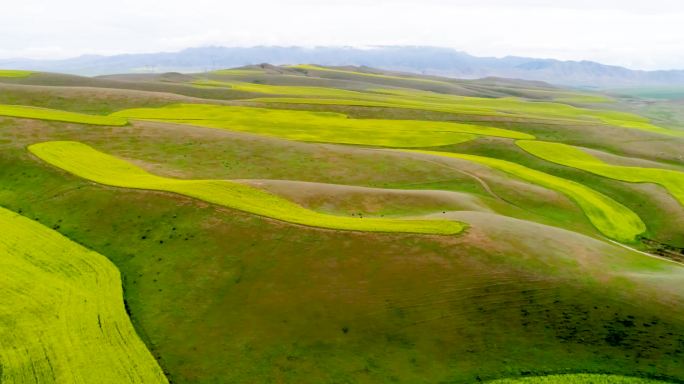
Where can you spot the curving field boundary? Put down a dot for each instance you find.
(325, 127)
(26, 112)
(14, 73)
(88, 163)
(463, 105)
(574, 157)
(62, 316)
(611, 218)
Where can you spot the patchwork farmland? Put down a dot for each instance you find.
(310, 224)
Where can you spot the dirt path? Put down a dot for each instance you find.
(642, 252)
(481, 181)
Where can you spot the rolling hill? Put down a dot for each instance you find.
(319, 224)
(412, 59)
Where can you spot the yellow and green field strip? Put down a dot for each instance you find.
(324, 127)
(62, 316)
(14, 73)
(611, 218)
(284, 90)
(316, 68)
(582, 378)
(391, 98)
(238, 72)
(380, 97)
(439, 102)
(570, 156)
(88, 163)
(26, 112)
(384, 103)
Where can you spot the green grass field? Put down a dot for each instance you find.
(317, 68)
(394, 98)
(62, 317)
(662, 93)
(14, 73)
(441, 102)
(28, 112)
(90, 164)
(501, 107)
(285, 90)
(254, 246)
(417, 99)
(574, 157)
(610, 217)
(578, 379)
(559, 95)
(238, 72)
(320, 126)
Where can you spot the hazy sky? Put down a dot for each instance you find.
(645, 34)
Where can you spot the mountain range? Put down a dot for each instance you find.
(415, 59)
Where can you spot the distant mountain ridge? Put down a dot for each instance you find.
(423, 60)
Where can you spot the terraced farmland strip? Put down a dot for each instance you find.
(570, 156)
(88, 163)
(381, 97)
(384, 103)
(62, 317)
(320, 126)
(316, 68)
(433, 100)
(26, 112)
(387, 101)
(286, 90)
(14, 73)
(439, 102)
(238, 72)
(611, 218)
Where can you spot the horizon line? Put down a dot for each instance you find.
(357, 47)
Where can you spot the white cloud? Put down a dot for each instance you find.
(632, 33)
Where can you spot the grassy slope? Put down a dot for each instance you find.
(158, 84)
(319, 127)
(602, 139)
(204, 153)
(351, 307)
(87, 100)
(666, 93)
(669, 113)
(308, 127)
(441, 102)
(609, 138)
(415, 285)
(508, 108)
(86, 162)
(610, 217)
(368, 75)
(577, 379)
(489, 87)
(305, 91)
(444, 102)
(58, 115)
(10, 73)
(62, 317)
(369, 202)
(570, 156)
(627, 142)
(651, 203)
(158, 242)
